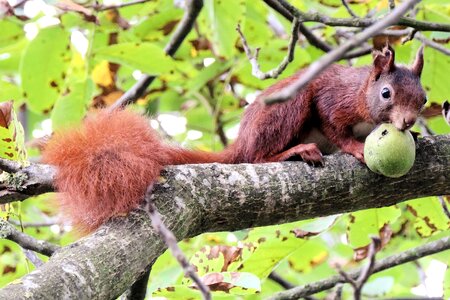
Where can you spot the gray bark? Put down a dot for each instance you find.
(199, 198)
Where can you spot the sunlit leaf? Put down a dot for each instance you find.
(147, 57)
(44, 68)
(224, 16)
(366, 223)
(12, 137)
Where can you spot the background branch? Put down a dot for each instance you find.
(274, 73)
(318, 66)
(184, 27)
(383, 264)
(7, 231)
(310, 36)
(171, 241)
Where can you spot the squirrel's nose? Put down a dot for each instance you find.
(408, 122)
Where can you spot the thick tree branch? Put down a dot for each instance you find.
(318, 66)
(25, 182)
(198, 198)
(184, 27)
(357, 184)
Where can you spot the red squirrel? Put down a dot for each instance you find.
(105, 167)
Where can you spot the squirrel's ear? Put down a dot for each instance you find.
(384, 62)
(418, 62)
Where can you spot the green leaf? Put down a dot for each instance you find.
(365, 223)
(447, 284)
(43, 68)
(12, 139)
(223, 17)
(212, 71)
(156, 24)
(9, 91)
(71, 107)
(436, 88)
(430, 217)
(11, 31)
(147, 57)
(10, 56)
(308, 256)
(272, 244)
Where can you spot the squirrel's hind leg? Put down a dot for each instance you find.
(310, 153)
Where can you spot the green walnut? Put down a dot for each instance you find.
(389, 151)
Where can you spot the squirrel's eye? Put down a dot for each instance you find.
(425, 100)
(386, 93)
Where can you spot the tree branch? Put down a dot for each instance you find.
(365, 272)
(349, 10)
(432, 44)
(184, 27)
(29, 181)
(7, 231)
(274, 73)
(100, 7)
(216, 197)
(310, 36)
(362, 22)
(383, 264)
(318, 66)
(171, 241)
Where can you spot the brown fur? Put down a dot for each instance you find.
(105, 167)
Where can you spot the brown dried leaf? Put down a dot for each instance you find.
(5, 113)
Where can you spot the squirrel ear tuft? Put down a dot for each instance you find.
(384, 61)
(418, 62)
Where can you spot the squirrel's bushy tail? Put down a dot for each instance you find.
(104, 167)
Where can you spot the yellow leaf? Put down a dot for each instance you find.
(101, 74)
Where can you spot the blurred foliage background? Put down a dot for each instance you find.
(62, 60)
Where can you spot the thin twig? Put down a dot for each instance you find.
(184, 27)
(424, 129)
(171, 242)
(274, 276)
(7, 231)
(381, 265)
(444, 206)
(310, 36)
(20, 3)
(117, 6)
(410, 36)
(32, 256)
(336, 54)
(432, 44)
(274, 73)
(35, 224)
(349, 10)
(361, 22)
